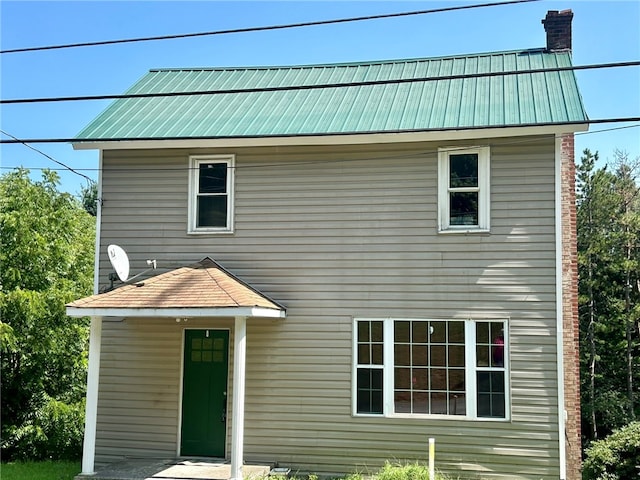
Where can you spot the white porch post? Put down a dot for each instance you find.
(91, 409)
(237, 419)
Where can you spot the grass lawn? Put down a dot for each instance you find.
(61, 470)
(47, 470)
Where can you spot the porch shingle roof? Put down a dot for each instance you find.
(201, 289)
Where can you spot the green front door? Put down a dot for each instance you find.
(204, 393)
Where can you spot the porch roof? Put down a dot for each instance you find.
(204, 289)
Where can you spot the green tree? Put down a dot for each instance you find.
(629, 193)
(617, 457)
(46, 253)
(89, 198)
(608, 217)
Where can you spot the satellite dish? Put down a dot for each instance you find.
(119, 261)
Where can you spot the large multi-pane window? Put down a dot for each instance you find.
(463, 189)
(428, 366)
(211, 194)
(431, 367)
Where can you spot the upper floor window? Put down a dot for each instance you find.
(463, 189)
(211, 194)
(452, 368)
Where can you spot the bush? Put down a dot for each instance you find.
(408, 471)
(52, 432)
(615, 457)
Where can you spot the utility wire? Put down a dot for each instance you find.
(608, 129)
(66, 167)
(319, 86)
(212, 137)
(263, 28)
(535, 139)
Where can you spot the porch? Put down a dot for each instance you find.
(203, 291)
(176, 469)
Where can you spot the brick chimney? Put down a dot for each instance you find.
(557, 24)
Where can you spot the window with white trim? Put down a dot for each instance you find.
(370, 367)
(463, 189)
(211, 194)
(452, 368)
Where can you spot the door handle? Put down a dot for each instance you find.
(224, 407)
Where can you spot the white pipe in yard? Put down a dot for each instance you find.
(432, 459)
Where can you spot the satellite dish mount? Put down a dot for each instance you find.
(120, 263)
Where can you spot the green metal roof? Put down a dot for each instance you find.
(348, 108)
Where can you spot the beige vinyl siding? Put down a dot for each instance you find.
(336, 233)
(140, 382)
(145, 423)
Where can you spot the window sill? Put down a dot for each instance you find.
(464, 231)
(464, 418)
(420, 416)
(210, 232)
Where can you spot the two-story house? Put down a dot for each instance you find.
(351, 259)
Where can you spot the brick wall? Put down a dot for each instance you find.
(558, 27)
(570, 309)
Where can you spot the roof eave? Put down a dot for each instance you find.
(190, 312)
(448, 134)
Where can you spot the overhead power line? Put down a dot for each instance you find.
(213, 137)
(318, 86)
(263, 28)
(339, 160)
(66, 167)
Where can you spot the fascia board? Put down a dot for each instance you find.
(346, 139)
(176, 312)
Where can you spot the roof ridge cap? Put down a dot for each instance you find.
(242, 282)
(346, 64)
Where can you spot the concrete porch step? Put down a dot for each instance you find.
(174, 469)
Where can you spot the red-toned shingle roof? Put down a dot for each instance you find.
(202, 289)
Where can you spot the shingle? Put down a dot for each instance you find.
(202, 285)
(524, 99)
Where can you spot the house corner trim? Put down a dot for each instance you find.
(91, 408)
(239, 374)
